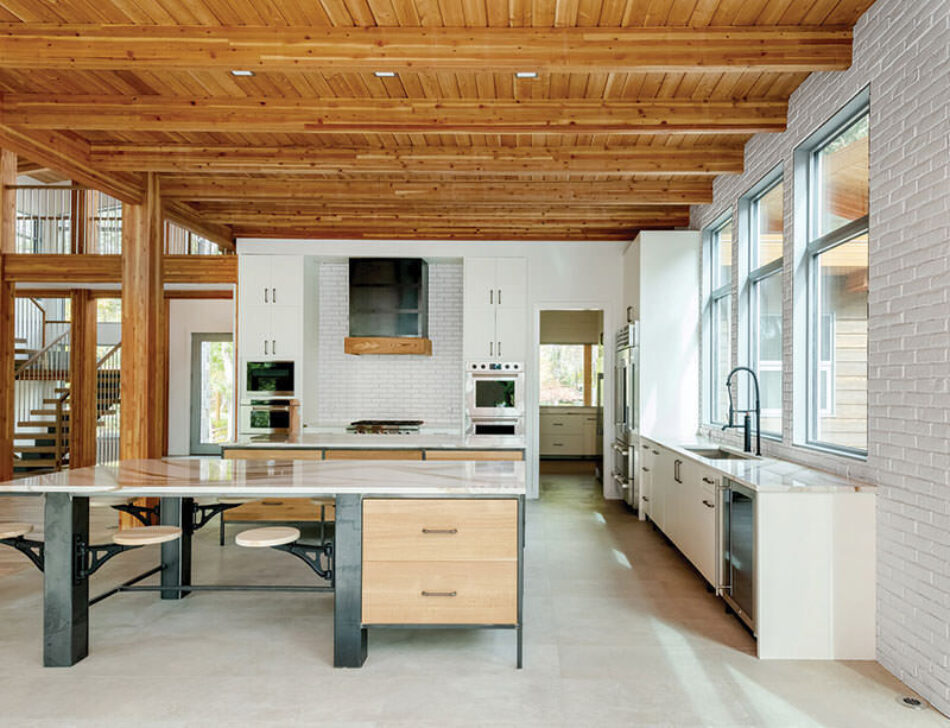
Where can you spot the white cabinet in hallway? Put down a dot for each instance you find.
(569, 431)
(495, 309)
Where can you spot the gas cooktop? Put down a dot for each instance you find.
(385, 427)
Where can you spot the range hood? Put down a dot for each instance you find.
(389, 312)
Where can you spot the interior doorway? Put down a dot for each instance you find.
(571, 391)
(212, 392)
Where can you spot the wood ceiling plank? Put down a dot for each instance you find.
(447, 116)
(682, 190)
(568, 49)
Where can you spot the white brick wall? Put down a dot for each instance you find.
(901, 50)
(427, 388)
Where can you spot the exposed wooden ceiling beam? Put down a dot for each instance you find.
(678, 191)
(433, 50)
(69, 157)
(361, 232)
(612, 161)
(369, 115)
(185, 215)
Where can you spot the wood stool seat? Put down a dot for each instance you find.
(14, 530)
(235, 501)
(106, 502)
(147, 535)
(256, 538)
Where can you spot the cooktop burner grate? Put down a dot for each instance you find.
(385, 427)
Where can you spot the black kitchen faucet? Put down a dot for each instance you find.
(746, 421)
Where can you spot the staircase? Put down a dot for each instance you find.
(42, 434)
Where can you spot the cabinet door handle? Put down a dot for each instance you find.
(557, 424)
(708, 504)
(558, 444)
(447, 531)
(708, 480)
(265, 347)
(676, 470)
(656, 452)
(646, 447)
(438, 594)
(491, 296)
(499, 296)
(645, 498)
(499, 348)
(273, 295)
(272, 503)
(645, 470)
(273, 346)
(491, 348)
(265, 296)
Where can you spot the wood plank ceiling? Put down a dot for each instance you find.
(635, 107)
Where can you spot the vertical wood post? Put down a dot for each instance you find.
(7, 307)
(83, 384)
(143, 350)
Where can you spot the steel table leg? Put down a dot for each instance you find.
(65, 596)
(176, 555)
(349, 635)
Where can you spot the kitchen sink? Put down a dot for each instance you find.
(718, 453)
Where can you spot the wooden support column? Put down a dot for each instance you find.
(83, 385)
(7, 304)
(143, 348)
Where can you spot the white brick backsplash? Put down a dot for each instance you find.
(427, 388)
(901, 50)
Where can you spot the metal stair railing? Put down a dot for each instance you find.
(108, 404)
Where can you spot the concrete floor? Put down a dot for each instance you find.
(619, 632)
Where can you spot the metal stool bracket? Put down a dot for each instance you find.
(203, 514)
(143, 514)
(311, 556)
(92, 557)
(33, 550)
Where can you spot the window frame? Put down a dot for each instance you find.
(589, 357)
(714, 297)
(813, 246)
(749, 325)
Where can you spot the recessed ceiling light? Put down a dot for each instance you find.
(526, 74)
(238, 72)
(384, 74)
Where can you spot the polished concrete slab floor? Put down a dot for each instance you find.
(620, 631)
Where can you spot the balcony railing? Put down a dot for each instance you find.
(59, 219)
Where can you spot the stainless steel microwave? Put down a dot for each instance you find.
(270, 417)
(270, 379)
(495, 389)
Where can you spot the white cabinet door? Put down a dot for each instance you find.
(286, 332)
(511, 282)
(704, 525)
(510, 334)
(254, 333)
(647, 459)
(286, 280)
(478, 327)
(662, 485)
(254, 278)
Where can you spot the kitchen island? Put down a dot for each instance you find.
(416, 543)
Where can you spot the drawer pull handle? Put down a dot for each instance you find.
(709, 480)
(645, 470)
(448, 531)
(708, 504)
(439, 594)
(272, 503)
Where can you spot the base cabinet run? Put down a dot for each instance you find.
(440, 561)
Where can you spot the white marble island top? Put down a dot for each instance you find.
(332, 439)
(764, 474)
(192, 477)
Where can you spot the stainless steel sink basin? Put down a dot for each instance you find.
(718, 453)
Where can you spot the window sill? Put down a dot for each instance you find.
(826, 450)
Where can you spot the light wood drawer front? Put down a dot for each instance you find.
(440, 530)
(273, 454)
(562, 424)
(439, 592)
(474, 455)
(279, 509)
(374, 454)
(557, 444)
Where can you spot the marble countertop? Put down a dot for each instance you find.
(318, 440)
(191, 477)
(764, 474)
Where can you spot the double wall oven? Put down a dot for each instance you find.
(627, 415)
(494, 398)
(269, 406)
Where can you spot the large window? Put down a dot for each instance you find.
(571, 375)
(719, 318)
(766, 224)
(837, 256)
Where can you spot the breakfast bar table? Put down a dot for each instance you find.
(416, 544)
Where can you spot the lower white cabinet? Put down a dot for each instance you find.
(569, 431)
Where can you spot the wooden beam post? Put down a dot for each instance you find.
(143, 351)
(83, 383)
(8, 174)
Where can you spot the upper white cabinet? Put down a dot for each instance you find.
(270, 307)
(495, 309)
(271, 280)
(661, 290)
